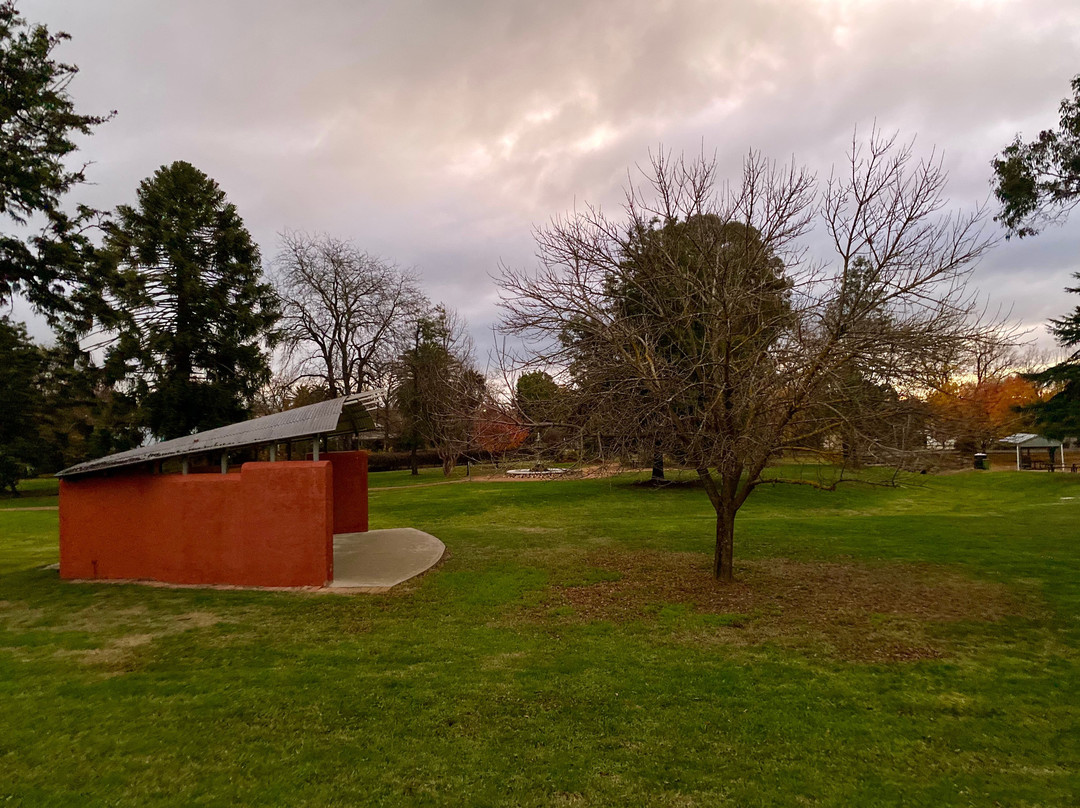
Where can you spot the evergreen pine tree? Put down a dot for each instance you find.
(196, 316)
(1059, 416)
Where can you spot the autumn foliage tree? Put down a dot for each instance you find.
(975, 414)
(496, 431)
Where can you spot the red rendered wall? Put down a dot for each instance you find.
(270, 525)
(350, 491)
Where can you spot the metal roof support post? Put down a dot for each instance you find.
(224, 462)
(315, 449)
(184, 466)
(273, 452)
(1018, 457)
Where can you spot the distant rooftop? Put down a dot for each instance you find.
(1030, 440)
(349, 415)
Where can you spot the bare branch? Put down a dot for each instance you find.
(695, 325)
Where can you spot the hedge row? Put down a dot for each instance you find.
(395, 461)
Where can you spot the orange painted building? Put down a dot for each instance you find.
(349, 491)
(271, 524)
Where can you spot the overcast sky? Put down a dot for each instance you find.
(437, 134)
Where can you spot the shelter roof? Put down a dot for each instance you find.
(340, 416)
(1030, 440)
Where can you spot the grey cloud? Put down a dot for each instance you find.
(438, 134)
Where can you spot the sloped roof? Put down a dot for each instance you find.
(1030, 440)
(346, 415)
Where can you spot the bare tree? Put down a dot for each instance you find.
(695, 324)
(346, 315)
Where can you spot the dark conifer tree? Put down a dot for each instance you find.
(20, 364)
(196, 316)
(1059, 416)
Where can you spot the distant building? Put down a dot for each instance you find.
(182, 512)
(1028, 442)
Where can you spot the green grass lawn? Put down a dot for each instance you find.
(427, 476)
(883, 646)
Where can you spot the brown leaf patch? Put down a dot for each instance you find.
(868, 612)
(117, 653)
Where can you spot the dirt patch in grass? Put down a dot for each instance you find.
(865, 612)
(104, 637)
(116, 653)
(101, 617)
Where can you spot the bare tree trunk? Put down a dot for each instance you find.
(850, 449)
(723, 558)
(414, 378)
(658, 467)
(723, 500)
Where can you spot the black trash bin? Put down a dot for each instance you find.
(982, 462)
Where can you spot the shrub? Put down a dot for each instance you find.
(395, 461)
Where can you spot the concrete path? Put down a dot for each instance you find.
(379, 559)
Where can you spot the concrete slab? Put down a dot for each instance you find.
(379, 559)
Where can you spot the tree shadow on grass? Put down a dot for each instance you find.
(882, 612)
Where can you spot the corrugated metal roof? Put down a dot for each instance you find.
(349, 414)
(1019, 437)
(1030, 440)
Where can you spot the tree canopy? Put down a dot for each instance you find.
(671, 266)
(346, 314)
(1039, 182)
(537, 396)
(437, 389)
(20, 365)
(194, 316)
(38, 123)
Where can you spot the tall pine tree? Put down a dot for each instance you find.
(196, 316)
